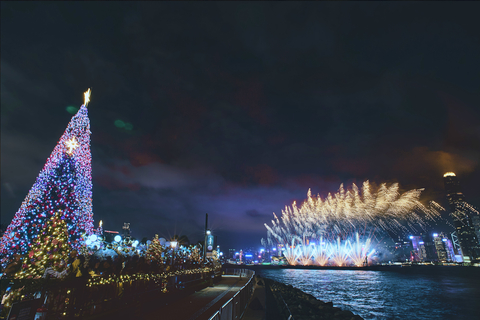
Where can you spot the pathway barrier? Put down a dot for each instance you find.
(235, 307)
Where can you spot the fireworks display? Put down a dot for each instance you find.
(340, 229)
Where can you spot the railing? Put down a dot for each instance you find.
(235, 307)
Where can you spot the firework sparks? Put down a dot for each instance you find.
(338, 217)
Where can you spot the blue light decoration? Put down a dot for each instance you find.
(65, 183)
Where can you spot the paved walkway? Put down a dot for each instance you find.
(200, 305)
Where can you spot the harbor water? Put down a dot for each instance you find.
(408, 293)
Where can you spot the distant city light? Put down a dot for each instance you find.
(444, 240)
(435, 234)
(449, 174)
(411, 237)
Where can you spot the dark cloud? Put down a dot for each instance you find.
(253, 213)
(236, 109)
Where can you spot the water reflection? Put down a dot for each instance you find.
(437, 294)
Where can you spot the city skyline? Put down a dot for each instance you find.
(237, 110)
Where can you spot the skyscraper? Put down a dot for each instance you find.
(461, 213)
(476, 225)
(443, 253)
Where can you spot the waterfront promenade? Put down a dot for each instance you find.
(200, 305)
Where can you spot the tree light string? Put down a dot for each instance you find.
(64, 183)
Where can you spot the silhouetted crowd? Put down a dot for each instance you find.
(122, 265)
(81, 266)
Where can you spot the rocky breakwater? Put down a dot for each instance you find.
(287, 300)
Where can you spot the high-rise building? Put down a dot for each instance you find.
(476, 225)
(430, 249)
(461, 213)
(419, 253)
(440, 241)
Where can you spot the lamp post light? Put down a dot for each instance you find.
(173, 244)
(205, 244)
(205, 239)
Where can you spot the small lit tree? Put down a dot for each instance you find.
(155, 250)
(49, 250)
(196, 253)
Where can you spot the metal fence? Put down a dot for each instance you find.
(235, 307)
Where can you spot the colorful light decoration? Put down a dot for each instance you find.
(49, 248)
(161, 279)
(65, 183)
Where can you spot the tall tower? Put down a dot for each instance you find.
(461, 213)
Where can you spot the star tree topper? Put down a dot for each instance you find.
(86, 96)
(71, 144)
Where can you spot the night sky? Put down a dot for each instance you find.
(236, 109)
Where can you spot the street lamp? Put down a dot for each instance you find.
(173, 244)
(207, 233)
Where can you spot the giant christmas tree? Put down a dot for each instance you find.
(65, 183)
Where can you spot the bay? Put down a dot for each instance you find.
(412, 293)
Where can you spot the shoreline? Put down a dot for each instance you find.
(395, 268)
(284, 300)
